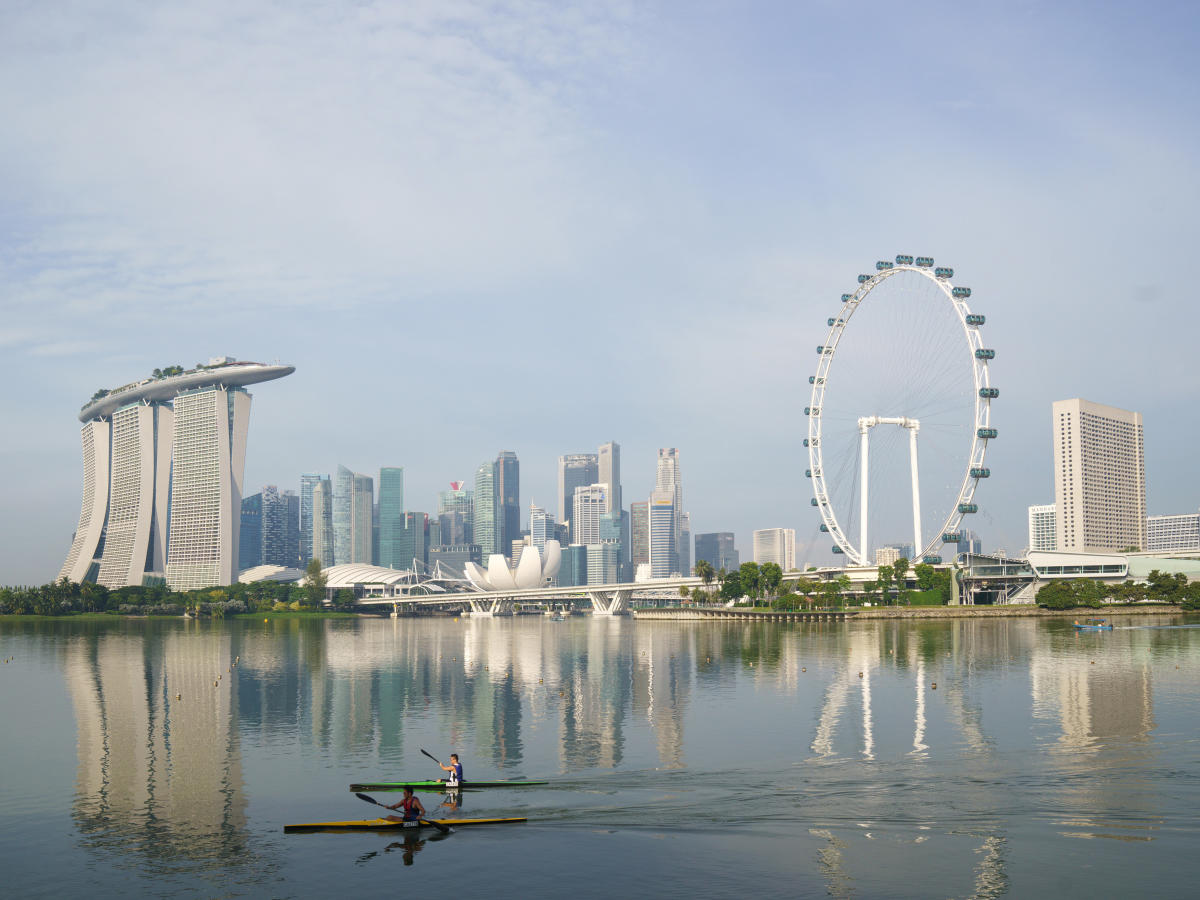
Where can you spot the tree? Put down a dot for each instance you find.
(900, 568)
(886, 576)
(770, 577)
(751, 579)
(926, 576)
(314, 583)
(704, 571)
(869, 589)
(731, 588)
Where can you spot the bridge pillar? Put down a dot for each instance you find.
(492, 606)
(610, 603)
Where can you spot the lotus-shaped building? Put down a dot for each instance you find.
(533, 570)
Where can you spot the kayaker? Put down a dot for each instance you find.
(410, 805)
(455, 769)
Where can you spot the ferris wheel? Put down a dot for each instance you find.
(915, 373)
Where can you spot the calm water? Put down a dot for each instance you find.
(687, 759)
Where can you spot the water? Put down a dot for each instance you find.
(687, 759)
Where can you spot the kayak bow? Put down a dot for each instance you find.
(392, 824)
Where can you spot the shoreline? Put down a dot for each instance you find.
(879, 613)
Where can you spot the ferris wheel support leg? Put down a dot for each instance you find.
(862, 527)
(918, 546)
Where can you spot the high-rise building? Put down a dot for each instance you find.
(1042, 532)
(307, 482)
(173, 442)
(602, 563)
(343, 491)
(685, 544)
(888, 555)
(662, 532)
(1168, 533)
(508, 498)
(250, 536)
(362, 520)
(391, 518)
(1099, 477)
(411, 541)
(718, 550)
(454, 557)
(487, 530)
(541, 527)
(574, 470)
(462, 501)
(668, 478)
(776, 545)
(639, 533)
(591, 502)
(322, 527)
(969, 542)
(609, 465)
(572, 572)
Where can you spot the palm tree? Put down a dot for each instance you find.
(705, 571)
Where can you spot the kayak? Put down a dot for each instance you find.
(393, 824)
(440, 785)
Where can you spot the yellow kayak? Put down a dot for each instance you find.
(393, 824)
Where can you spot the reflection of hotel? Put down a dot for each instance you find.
(151, 762)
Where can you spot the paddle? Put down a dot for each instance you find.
(444, 829)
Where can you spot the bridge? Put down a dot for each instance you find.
(606, 599)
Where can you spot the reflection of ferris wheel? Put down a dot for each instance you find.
(916, 368)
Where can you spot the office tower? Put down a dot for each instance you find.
(668, 478)
(1042, 529)
(508, 498)
(343, 489)
(590, 503)
(663, 524)
(453, 558)
(139, 461)
(574, 470)
(573, 571)
(250, 537)
(322, 528)
(602, 563)
(452, 529)
(776, 545)
(887, 556)
(969, 543)
(1099, 477)
(391, 518)
(307, 481)
(541, 527)
(487, 531)
(462, 501)
(685, 544)
(1168, 533)
(362, 519)
(639, 533)
(609, 465)
(411, 541)
(717, 549)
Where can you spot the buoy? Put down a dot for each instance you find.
(264, 620)
(178, 696)
(933, 686)
(860, 674)
(802, 669)
(215, 683)
(1093, 662)
(539, 681)
(562, 693)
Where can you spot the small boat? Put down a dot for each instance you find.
(1094, 625)
(393, 824)
(440, 785)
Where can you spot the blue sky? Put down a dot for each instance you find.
(475, 226)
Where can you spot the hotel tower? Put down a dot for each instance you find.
(162, 478)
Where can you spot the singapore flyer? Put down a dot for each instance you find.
(899, 418)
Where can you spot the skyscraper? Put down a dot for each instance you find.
(322, 539)
(684, 550)
(462, 501)
(668, 478)
(307, 481)
(250, 535)
(1099, 477)
(343, 489)
(487, 532)
(591, 502)
(173, 442)
(574, 469)
(639, 533)
(718, 550)
(541, 527)
(609, 464)
(270, 531)
(970, 542)
(411, 541)
(362, 519)
(662, 533)
(1041, 528)
(508, 496)
(391, 518)
(776, 545)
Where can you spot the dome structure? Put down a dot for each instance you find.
(533, 570)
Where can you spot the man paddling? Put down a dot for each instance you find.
(455, 769)
(410, 805)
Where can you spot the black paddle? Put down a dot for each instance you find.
(444, 829)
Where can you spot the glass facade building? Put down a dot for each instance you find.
(391, 518)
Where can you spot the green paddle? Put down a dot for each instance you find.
(444, 829)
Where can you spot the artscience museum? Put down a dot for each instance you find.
(533, 570)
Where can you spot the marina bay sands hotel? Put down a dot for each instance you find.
(163, 460)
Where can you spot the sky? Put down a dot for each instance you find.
(475, 226)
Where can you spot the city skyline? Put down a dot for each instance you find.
(720, 226)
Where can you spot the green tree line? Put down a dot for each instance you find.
(1160, 587)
